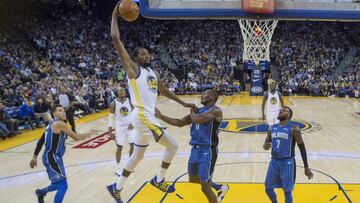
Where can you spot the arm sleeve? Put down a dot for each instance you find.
(39, 144)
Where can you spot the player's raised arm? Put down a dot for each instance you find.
(213, 113)
(263, 105)
(173, 121)
(300, 142)
(166, 92)
(60, 126)
(281, 99)
(131, 68)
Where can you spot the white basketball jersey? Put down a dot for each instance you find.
(144, 91)
(122, 112)
(273, 102)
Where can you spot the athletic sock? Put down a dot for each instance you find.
(161, 175)
(120, 182)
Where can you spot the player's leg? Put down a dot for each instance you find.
(206, 189)
(142, 142)
(57, 176)
(207, 158)
(219, 188)
(61, 190)
(272, 181)
(193, 166)
(120, 139)
(288, 173)
(118, 158)
(130, 136)
(131, 164)
(171, 147)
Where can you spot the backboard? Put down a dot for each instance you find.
(331, 10)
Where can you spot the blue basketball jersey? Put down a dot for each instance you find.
(54, 143)
(205, 134)
(282, 142)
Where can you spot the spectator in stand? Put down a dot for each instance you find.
(11, 124)
(42, 110)
(27, 114)
(83, 105)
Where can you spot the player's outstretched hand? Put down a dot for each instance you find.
(308, 173)
(33, 163)
(267, 145)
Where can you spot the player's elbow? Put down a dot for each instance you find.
(115, 36)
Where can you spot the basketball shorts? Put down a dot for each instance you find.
(123, 133)
(202, 162)
(281, 174)
(147, 127)
(271, 118)
(54, 167)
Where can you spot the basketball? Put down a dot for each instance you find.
(128, 10)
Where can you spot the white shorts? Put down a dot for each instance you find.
(146, 126)
(271, 118)
(122, 133)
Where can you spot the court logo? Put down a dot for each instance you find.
(255, 125)
(95, 142)
(256, 89)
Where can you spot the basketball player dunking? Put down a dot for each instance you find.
(54, 138)
(204, 141)
(120, 119)
(144, 84)
(282, 168)
(272, 99)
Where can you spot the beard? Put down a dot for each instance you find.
(146, 64)
(281, 118)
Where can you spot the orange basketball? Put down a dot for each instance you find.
(128, 10)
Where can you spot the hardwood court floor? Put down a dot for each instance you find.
(331, 133)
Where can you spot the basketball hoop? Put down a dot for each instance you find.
(257, 36)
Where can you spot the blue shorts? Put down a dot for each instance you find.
(202, 162)
(281, 174)
(54, 167)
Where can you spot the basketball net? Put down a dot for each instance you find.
(257, 38)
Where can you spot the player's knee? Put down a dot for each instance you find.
(62, 185)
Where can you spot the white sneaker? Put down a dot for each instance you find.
(222, 192)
